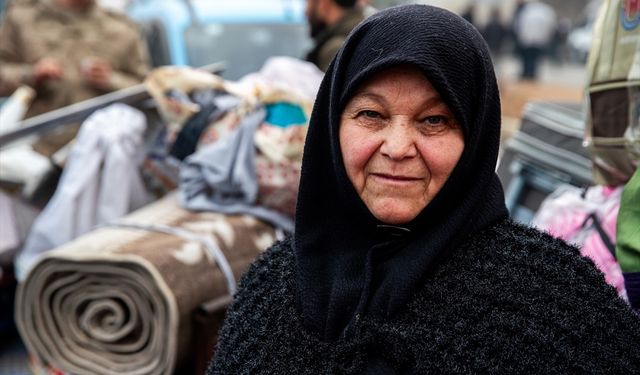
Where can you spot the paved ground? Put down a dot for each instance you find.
(568, 74)
(13, 355)
(557, 82)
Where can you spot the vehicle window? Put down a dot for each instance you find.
(156, 38)
(244, 47)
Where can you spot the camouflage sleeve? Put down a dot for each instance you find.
(135, 68)
(328, 51)
(13, 71)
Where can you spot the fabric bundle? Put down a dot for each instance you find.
(239, 144)
(120, 299)
(100, 182)
(249, 159)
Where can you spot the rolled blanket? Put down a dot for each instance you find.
(120, 299)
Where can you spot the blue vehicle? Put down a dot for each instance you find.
(241, 33)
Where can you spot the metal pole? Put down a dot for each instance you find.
(77, 112)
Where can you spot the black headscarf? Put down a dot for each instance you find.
(348, 264)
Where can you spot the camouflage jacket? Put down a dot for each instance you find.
(35, 29)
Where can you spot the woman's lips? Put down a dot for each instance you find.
(394, 178)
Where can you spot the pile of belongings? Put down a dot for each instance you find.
(116, 294)
(239, 144)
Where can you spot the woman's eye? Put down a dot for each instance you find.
(434, 120)
(370, 114)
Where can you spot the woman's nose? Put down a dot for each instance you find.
(398, 142)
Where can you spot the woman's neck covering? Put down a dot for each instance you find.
(348, 264)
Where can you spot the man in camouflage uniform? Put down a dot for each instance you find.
(68, 51)
(330, 21)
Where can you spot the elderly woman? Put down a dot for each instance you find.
(403, 258)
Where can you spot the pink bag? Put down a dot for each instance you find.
(586, 219)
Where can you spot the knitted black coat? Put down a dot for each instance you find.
(509, 300)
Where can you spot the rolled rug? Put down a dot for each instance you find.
(120, 299)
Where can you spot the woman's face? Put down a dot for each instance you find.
(400, 142)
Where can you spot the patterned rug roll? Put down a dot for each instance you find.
(120, 299)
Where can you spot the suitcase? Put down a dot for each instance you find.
(545, 152)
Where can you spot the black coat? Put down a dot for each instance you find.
(509, 300)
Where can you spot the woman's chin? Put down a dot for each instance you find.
(395, 215)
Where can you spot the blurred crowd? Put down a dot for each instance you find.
(533, 32)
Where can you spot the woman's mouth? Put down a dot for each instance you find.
(395, 178)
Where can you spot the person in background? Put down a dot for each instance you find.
(403, 259)
(469, 13)
(535, 28)
(330, 21)
(511, 35)
(494, 33)
(628, 239)
(367, 8)
(558, 46)
(68, 51)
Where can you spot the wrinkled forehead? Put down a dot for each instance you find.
(402, 79)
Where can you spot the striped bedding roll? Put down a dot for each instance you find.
(120, 299)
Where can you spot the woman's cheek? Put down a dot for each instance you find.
(358, 153)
